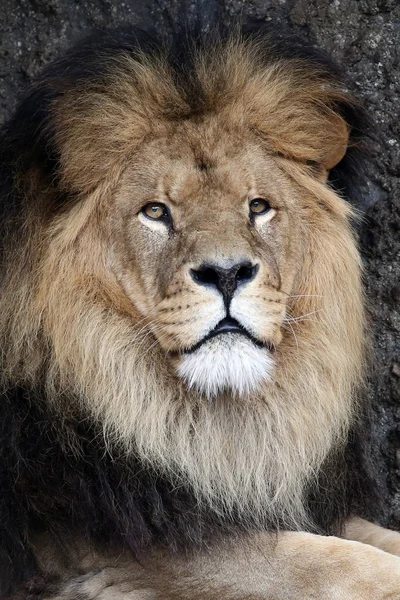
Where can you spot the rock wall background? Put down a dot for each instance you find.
(364, 37)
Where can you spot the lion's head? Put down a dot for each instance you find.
(182, 271)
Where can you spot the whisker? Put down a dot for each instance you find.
(157, 341)
(153, 311)
(293, 332)
(301, 317)
(170, 346)
(152, 331)
(300, 321)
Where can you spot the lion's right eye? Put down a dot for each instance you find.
(259, 206)
(156, 211)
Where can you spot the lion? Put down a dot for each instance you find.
(182, 328)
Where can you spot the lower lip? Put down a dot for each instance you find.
(235, 330)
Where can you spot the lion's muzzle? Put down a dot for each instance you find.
(225, 280)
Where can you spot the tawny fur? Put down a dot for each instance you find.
(78, 306)
(257, 567)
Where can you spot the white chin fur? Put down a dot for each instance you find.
(227, 362)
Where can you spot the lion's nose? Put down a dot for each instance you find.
(225, 280)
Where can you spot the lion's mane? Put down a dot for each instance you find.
(96, 435)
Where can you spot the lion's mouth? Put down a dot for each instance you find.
(229, 325)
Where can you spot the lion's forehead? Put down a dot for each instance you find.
(205, 167)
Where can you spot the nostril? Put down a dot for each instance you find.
(226, 280)
(205, 276)
(246, 272)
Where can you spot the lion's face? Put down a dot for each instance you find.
(206, 234)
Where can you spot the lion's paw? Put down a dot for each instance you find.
(101, 584)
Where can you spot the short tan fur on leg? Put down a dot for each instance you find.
(291, 566)
(363, 531)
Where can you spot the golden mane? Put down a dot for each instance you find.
(67, 328)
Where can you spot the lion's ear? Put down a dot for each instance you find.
(337, 141)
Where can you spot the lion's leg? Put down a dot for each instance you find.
(363, 531)
(297, 566)
(292, 566)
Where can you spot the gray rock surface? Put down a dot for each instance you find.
(363, 36)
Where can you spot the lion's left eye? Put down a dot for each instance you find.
(156, 211)
(259, 206)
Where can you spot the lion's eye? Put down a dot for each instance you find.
(156, 211)
(259, 206)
